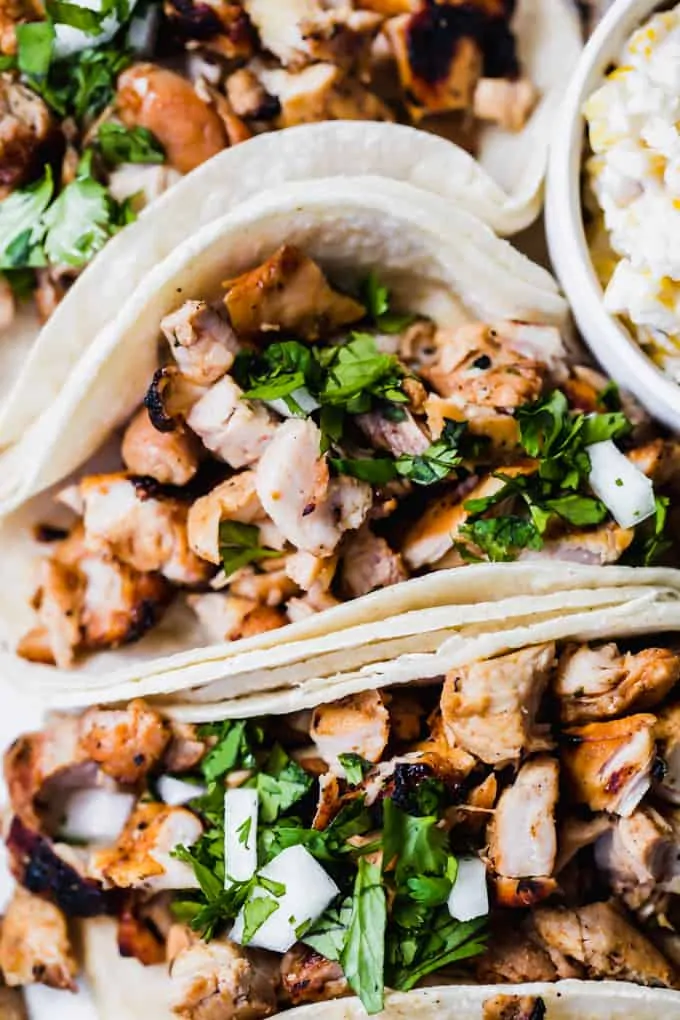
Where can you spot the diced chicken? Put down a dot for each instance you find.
(522, 835)
(235, 128)
(513, 957)
(577, 833)
(478, 365)
(358, 724)
(248, 96)
(58, 602)
(368, 563)
(504, 102)
(137, 938)
(310, 604)
(123, 517)
(142, 857)
(35, 759)
(598, 683)
(25, 125)
(599, 546)
(288, 293)
(513, 1007)
(436, 532)
(321, 92)
(667, 733)
(170, 458)
(306, 976)
(12, 14)
(607, 765)
(34, 943)
(125, 742)
(202, 343)
(501, 429)
(330, 799)
(434, 87)
(600, 939)
(220, 980)
(311, 30)
(309, 572)
(266, 587)
(228, 618)
(219, 26)
(309, 508)
(233, 500)
(519, 893)
(170, 397)
(659, 460)
(399, 435)
(636, 855)
(489, 708)
(235, 430)
(186, 748)
(166, 104)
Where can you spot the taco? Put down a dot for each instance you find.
(350, 393)
(496, 840)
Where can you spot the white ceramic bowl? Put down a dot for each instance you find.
(608, 339)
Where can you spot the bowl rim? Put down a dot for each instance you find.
(610, 342)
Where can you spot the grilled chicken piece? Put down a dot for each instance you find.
(607, 765)
(489, 708)
(321, 92)
(170, 397)
(200, 340)
(515, 957)
(137, 938)
(25, 124)
(37, 758)
(186, 748)
(228, 618)
(522, 836)
(309, 572)
(124, 518)
(170, 458)
(668, 736)
(598, 683)
(311, 30)
(658, 459)
(428, 91)
(142, 857)
(288, 293)
(233, 500)
(235, 430)
(221, 26)
(479, 366)
(438, 530)
(125, 742)
(599, 546)
(397, 436)
(368, 563)
(310, 509)
(220, 979)
(577, 833)
(271, 586)
(600, 939)
(248, 96)
(166, 104)
(501, 429)
(306, 976)
(34, 944)
(358, 724)
(310, 604)
(513, 1007)
(506, 103)
(637, 854)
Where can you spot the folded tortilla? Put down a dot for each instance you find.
(503, 188)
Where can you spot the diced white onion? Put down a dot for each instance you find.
(96, 815)
(626, 492)
(309, 890)
(240, 834)
(176, 792)
(303, 399)
(469, 897)
(69, 40)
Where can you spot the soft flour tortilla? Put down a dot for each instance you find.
(503, 189)
(122, 989)
(652, 612)
(438, 260)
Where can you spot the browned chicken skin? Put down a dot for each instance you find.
(306, 976)
(34, 944)
(513, 1007)
(127, 742)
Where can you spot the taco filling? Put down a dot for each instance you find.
(300, 446)
(103, 106)
(513, 821)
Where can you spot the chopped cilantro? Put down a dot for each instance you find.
(86, 20)
(119, 144)
(501, 538)
(233, 749)
(80, 220)
(363, 955)
(255, 912)
(376, 297)
(239, 545)
(280, 784)
(35, 43)
(243, 832)
(356, 373)
(328, 935)
(355, 767)
(21, 224)
(375, 471)
(413, 955)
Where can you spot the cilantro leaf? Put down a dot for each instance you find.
(21, 224)
(83, 18)
(501, 538)
(355, 767)
(239, 545)
(441, 457)
(119, 144)
(416, 844)
(228, 753)
(440, 942)
(356, 372)
(363, 955)
(280, 784)
(35, 44)
(578, 510)
(276, 372)
(376, 297)
(375, 471)
(255, 913)
(651, 537)
(328, 935)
